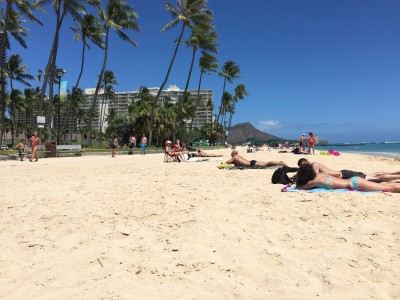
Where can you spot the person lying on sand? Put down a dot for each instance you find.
(307, 178)
(346, 174)
(238, 160)
(203, 154)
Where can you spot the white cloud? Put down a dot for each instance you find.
(269, 124)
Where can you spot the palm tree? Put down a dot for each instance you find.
(119, 16)
(230, 71)
(88, 28)
(190, 13)
(16, 71)
(240, 92)
(12, 24)
(62, 8)
(108, 94)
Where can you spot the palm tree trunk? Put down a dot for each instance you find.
(182, 103)
(222, 103)
(164, 83)
(98, 85)
(3, 58)
(197, 103)
(82, 62)
(14, 108)
(102, 118)
(51, 62)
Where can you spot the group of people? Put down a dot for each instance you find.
(310, 142)
(316, 175)
(180, 151)
(35, 142)
(113, 143)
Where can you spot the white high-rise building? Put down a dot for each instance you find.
(123, 99)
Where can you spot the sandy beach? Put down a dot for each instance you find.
(134, 227)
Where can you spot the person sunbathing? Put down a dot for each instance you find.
(346, 174)
(180, 148)
(169, 151)
(203, 154)
(307, 178)
(238, 160)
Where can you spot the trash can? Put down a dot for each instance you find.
(51, 149)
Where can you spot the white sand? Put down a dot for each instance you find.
(133, 227)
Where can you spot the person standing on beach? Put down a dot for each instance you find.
(311, 143)
(132, 144)
(143, 144)
(113, 145)
(301, 143)
(21, 149)
(35, 141)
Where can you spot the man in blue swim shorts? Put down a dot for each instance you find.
(143, 144)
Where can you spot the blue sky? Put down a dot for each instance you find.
(331, 67)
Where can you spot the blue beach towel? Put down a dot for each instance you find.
(320, 190)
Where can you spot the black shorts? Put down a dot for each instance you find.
(131, 145)
(347, 174)
(253, 163)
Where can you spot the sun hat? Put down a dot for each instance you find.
(168, 142)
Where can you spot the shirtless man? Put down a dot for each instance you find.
(35, 141)
(203, 154)
(143, 144)
(238, 160)
(307, 178)
(347, 174)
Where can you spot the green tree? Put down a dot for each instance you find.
(190, 13)
(119, 16)
(240, 93)
(10, 23)
(16, 71)
(230, 71)
(87, 29)
(62, 8)
(108, 94)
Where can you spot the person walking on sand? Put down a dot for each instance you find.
(21, 149)
(132, 144)
(143, 144)
(238, 160)
(113, 145)
(301, 143)
(35, 141)
(311, 143)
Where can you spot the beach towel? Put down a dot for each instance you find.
(196, 159)
(289, 188)
(224, 166)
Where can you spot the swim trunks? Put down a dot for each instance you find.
(327, 183)
(354, 183)
(347, 174)
(253, 163)
(21, 153)
(142, 146)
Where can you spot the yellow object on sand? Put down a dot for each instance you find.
(223, 165)
(324, 153)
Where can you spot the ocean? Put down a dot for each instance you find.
(387, 149)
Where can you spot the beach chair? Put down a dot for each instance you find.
(170, 157)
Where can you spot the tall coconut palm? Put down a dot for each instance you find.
(108, 94)
(119, 16)
(87, 29)
(230, 71)
(10, 23)
(240, 93)
(200, 39)
(62, 8)
(16, 71)
(190, 13)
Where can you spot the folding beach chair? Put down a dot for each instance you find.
(170, 158)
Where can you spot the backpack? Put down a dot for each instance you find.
(280, 175)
